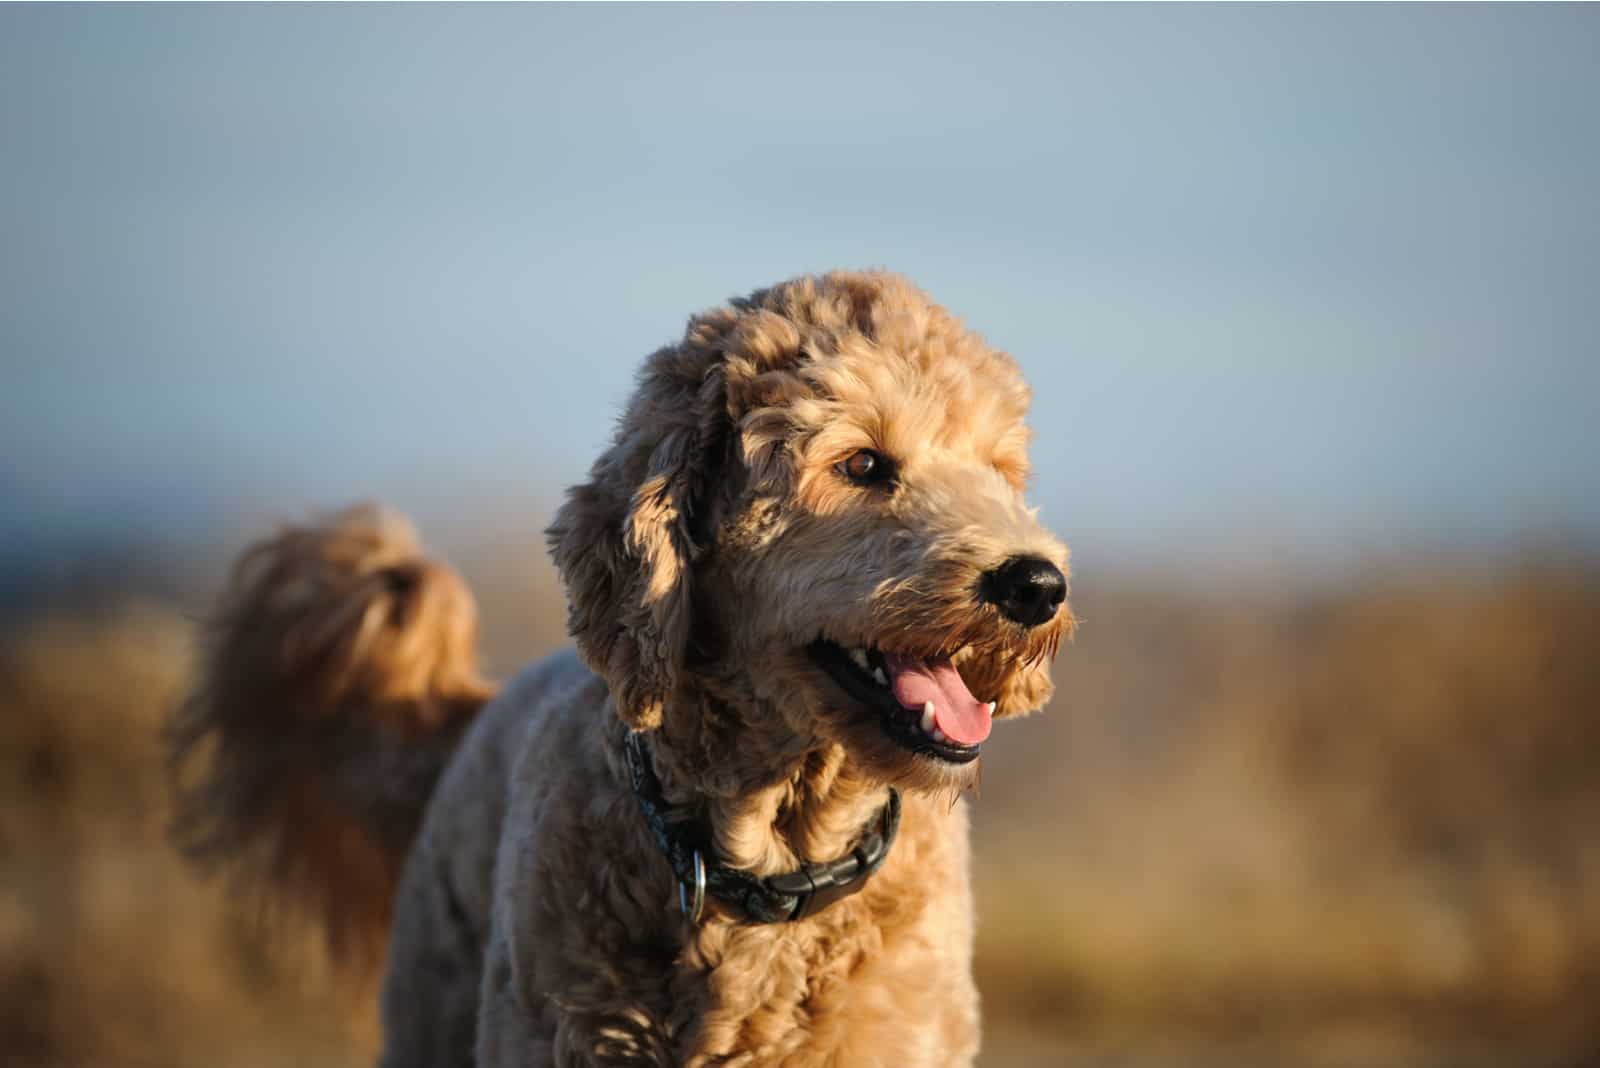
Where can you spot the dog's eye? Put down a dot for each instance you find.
(866, 468)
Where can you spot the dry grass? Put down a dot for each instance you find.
(1349, 828)
(1358, 826)
(110, 952)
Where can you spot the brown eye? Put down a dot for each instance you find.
(866, 468)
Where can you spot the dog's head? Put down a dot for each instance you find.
(813, 506)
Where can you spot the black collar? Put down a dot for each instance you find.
(774, 899)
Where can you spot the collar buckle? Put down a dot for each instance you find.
(693, 907)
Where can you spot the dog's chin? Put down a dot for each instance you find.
(881, 759)
(883, 739)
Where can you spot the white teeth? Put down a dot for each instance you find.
(937, 735)
(878, 674)
(860, 658)
(927, 719)
(991, 708)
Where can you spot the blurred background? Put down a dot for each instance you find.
(1307, 297)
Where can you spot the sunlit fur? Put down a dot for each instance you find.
(536, 921)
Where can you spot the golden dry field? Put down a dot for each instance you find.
(1344, 825)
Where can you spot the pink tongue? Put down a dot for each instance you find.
(963, 718)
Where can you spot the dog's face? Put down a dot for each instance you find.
(856, 561)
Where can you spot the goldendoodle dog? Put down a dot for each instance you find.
(802, 583)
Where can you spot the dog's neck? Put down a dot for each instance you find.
(815, 813)
(769, 803)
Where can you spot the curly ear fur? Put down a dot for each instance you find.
(626, 541)
(337, 675)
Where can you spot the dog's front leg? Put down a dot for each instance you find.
(520, 1031)
(509, 1035)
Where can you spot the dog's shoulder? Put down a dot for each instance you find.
(550, 688)
(467, 813)
(542, 702)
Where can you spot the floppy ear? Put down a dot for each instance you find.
(627, 540)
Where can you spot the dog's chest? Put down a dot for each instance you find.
(856, 992)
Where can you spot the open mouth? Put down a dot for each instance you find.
(922, 702)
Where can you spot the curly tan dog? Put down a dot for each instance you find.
(802, 581)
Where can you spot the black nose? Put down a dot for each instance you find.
(1026, 589)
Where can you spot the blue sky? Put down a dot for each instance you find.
(1306, 277)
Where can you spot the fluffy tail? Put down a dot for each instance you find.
(336, 678)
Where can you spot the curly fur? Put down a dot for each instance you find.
(535, 921)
